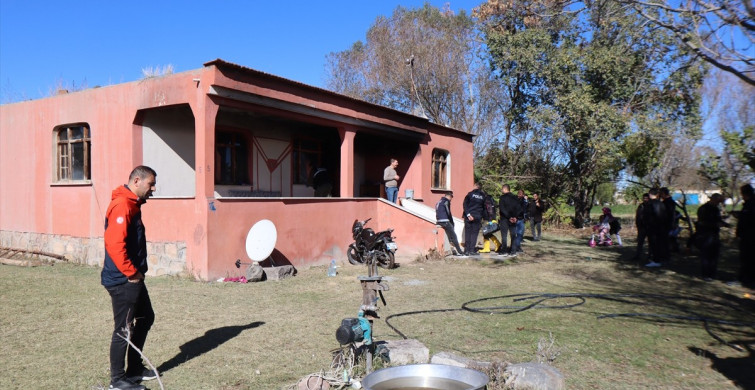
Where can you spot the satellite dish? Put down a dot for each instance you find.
(260, 241)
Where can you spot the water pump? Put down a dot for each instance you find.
(354, 330)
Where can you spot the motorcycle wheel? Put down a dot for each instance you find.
(353, 256)
(386, 259)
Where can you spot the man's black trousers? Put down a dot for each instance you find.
(130, 301)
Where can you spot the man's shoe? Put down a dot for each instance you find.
(653, 264)
(125, 384)
(462, 255)
(145, 374)
(708, 279)
(513, 254)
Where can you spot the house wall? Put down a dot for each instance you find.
(68, 219)
(190, 231)
(310, 231)
(168, 147)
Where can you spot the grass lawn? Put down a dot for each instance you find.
(55, 321)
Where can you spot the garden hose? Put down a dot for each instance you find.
(541, 299)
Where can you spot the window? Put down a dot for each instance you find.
(231, 158)
(440, 172)
(73, 153)
(306, 150)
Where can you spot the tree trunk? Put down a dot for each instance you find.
(583, 201)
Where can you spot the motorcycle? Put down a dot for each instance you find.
(368, 244)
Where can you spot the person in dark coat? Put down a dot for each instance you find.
(445, 220)
(670, 222)
(474, 204)
(509, 208)
(746, 236)
(642, 233)
(655, 219)
(536, 209)
(709, 223)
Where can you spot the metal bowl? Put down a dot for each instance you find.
(425, 377)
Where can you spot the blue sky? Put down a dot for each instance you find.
(45, 44)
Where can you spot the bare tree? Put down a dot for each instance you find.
(428, 62)
(730, 109)
(721, 32)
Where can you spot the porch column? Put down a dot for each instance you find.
(205, 114)
(347, 135)
(205, 148)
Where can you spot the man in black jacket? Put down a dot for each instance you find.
(655, 218)
(639, 222)
(709, 223)
(509, 209)
(535, 215)
(746, 234)
(445, 220)
(474, 204)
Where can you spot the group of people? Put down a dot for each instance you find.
(657, 220)
(513, 211)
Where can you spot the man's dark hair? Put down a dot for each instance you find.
(646, 195)
(653, 191)
(747, 190)
(665, 191)
(142, 172)
(506, 186)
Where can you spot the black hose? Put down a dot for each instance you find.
(540, 298)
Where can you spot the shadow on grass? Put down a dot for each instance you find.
(212, 339)
(737, 369)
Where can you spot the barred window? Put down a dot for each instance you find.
(73, 153)
(440, 171)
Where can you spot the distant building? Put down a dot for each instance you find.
(230, 145)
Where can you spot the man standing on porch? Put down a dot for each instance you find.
(390, 178)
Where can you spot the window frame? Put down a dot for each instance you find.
(299, 156)
(440, 158)
(239, 137)
(64, 152)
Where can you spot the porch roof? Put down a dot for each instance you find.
(419, 126)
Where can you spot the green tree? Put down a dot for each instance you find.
(597, 79)
(605, 193)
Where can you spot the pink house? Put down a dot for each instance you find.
(231, 147)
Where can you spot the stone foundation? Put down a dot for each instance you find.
(165, 258)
